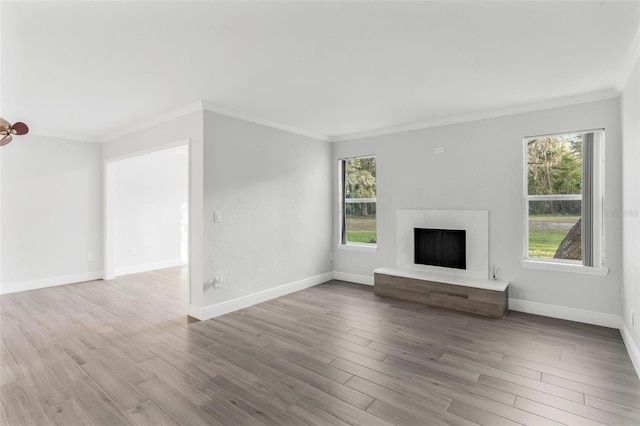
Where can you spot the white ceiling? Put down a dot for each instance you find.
(91, 70)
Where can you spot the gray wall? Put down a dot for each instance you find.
(51, 212)
(274, 191)
(482, 168)
(630, 215)
(151, 199)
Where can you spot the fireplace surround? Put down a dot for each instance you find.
(475, 223)
(468, 289)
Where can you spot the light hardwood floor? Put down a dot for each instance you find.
(123, 352)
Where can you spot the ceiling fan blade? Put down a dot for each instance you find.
(5, 127)
(5, 140)
(19, 128)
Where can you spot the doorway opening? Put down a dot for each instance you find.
(147, 215)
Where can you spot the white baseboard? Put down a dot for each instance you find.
(561, 312)
(195, 311)
(222, 308)
(135, 269)
(632, 347)
(353, 278)
(49, 282)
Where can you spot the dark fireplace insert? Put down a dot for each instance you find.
(440, 247)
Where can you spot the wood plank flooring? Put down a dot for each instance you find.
(122, 352)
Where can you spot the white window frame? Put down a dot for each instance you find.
(597, 231)
(367, 247)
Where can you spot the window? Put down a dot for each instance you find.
(358, 190)
(563, 198)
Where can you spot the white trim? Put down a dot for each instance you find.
(135, 269)
(196, 216)
(208, 106)
(456, 119)
(633, 55)
(558, 266)
(49, 282)
(160, 119)
(357, 157)
(353, 278)
(150, 150)
(228, 306)
(632, 347)
(554, 197)
(108, 219)
(525, 192)
(360, 200)
(1, 151)
(557, 103)
(562, 312)
(559, 134)
(57, 135)
(185, 110)
(195, 311)
(369, 248)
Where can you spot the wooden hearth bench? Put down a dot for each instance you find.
(482, 297)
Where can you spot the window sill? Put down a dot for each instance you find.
(564, 267)
(370, 248)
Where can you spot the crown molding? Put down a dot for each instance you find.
(631, 59)
(457, 119)
(211, 107)
(208, 106)
(68, 137)
(177, 113)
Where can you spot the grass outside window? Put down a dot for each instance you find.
(546, 232)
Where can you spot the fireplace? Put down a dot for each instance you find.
(474, 224)
(440, 247)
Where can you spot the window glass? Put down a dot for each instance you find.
(359, 192)
(550, 224)
(563, 197)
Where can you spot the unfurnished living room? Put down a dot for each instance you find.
(320, 213)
